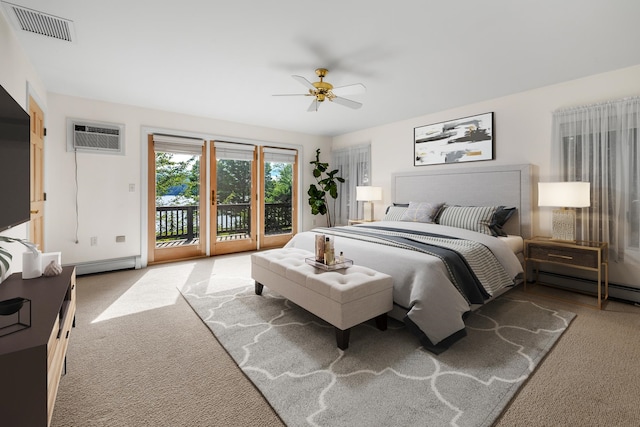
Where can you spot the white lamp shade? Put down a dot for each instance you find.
(564, 194)
(368, 193)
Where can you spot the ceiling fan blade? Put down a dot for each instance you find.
(304, 82)
(314, 105)
(349, 89)
(346, 102)
(291, 94)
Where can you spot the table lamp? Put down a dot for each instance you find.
(367, 194)
(567, 196)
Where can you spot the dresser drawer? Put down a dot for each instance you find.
(53, 342)
(564, 255)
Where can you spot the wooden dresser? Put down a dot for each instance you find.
(32, 359)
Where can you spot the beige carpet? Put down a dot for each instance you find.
(139, 356)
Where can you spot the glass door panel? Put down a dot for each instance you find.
(176, 200)
(278, 194)
(233, 201)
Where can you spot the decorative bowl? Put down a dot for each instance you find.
(11, 306)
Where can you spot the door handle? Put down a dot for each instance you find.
(213, 197)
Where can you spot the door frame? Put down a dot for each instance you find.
(36, 183)
(240, 245)
(160, 255)
(279, 240)
(146, 130)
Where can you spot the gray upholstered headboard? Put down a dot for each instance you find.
(472, 186)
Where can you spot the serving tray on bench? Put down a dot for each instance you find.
(337, 266)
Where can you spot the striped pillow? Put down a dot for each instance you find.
(474, 218)
(394, 213)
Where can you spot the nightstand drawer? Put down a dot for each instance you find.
(564, 255)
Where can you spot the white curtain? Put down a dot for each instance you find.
(354, 164)
(599, 144)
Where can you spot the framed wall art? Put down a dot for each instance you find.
(468, 139)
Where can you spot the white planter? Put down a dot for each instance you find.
(31, 265)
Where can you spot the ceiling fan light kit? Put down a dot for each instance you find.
(322, 90)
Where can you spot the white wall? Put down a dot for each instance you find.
(522, 129)
(20, 79)
(106, 207)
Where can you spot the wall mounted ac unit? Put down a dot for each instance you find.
(95, 137)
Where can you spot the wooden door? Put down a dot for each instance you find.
(187, 236)
(234, 198)
(279, 196)
(37, 194)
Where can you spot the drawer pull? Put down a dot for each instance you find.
(560, 256)
(67, 337)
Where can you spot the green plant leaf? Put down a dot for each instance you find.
(5, 257)
(326, 181)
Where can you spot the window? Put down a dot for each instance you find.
(354, 164)
(599, 144)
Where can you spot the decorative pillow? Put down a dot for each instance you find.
(394, 213)
(421, 212)
(500, 218)
(402, 205)
(474, 218)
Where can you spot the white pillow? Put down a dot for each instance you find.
(421, 212)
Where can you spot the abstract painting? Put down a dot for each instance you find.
(468, 139)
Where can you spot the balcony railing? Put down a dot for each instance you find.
(182, 222)
(177, 222)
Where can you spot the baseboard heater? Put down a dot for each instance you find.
(103, 266)
(617, 291)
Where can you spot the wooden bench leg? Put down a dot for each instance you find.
(342, 338)
(259, 287)
(381, 322)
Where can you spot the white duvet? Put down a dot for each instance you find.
(421, 282)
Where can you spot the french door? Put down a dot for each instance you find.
(234, 198)
(245, 194)
(278, 196)
(254, 201)
(176, 198)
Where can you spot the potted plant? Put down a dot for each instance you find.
(6, 257)
(327, 184)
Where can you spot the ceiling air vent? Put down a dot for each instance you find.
(95, 137)
(40, 23)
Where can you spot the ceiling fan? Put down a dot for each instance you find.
(322, 90)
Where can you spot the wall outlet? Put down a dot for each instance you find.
(94, 241)
(120, 239)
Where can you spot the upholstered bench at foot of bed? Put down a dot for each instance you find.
(344, 298)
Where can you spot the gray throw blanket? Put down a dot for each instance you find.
(473, 268)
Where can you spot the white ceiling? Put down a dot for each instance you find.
(225, 59)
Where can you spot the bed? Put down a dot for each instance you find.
(443, 269)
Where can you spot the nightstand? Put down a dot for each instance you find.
(359, 221)
(583, 255)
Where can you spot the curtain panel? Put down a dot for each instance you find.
(599, 144)
(354, 164)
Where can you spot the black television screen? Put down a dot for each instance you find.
(14, 162)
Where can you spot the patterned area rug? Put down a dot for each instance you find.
(384, 377)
